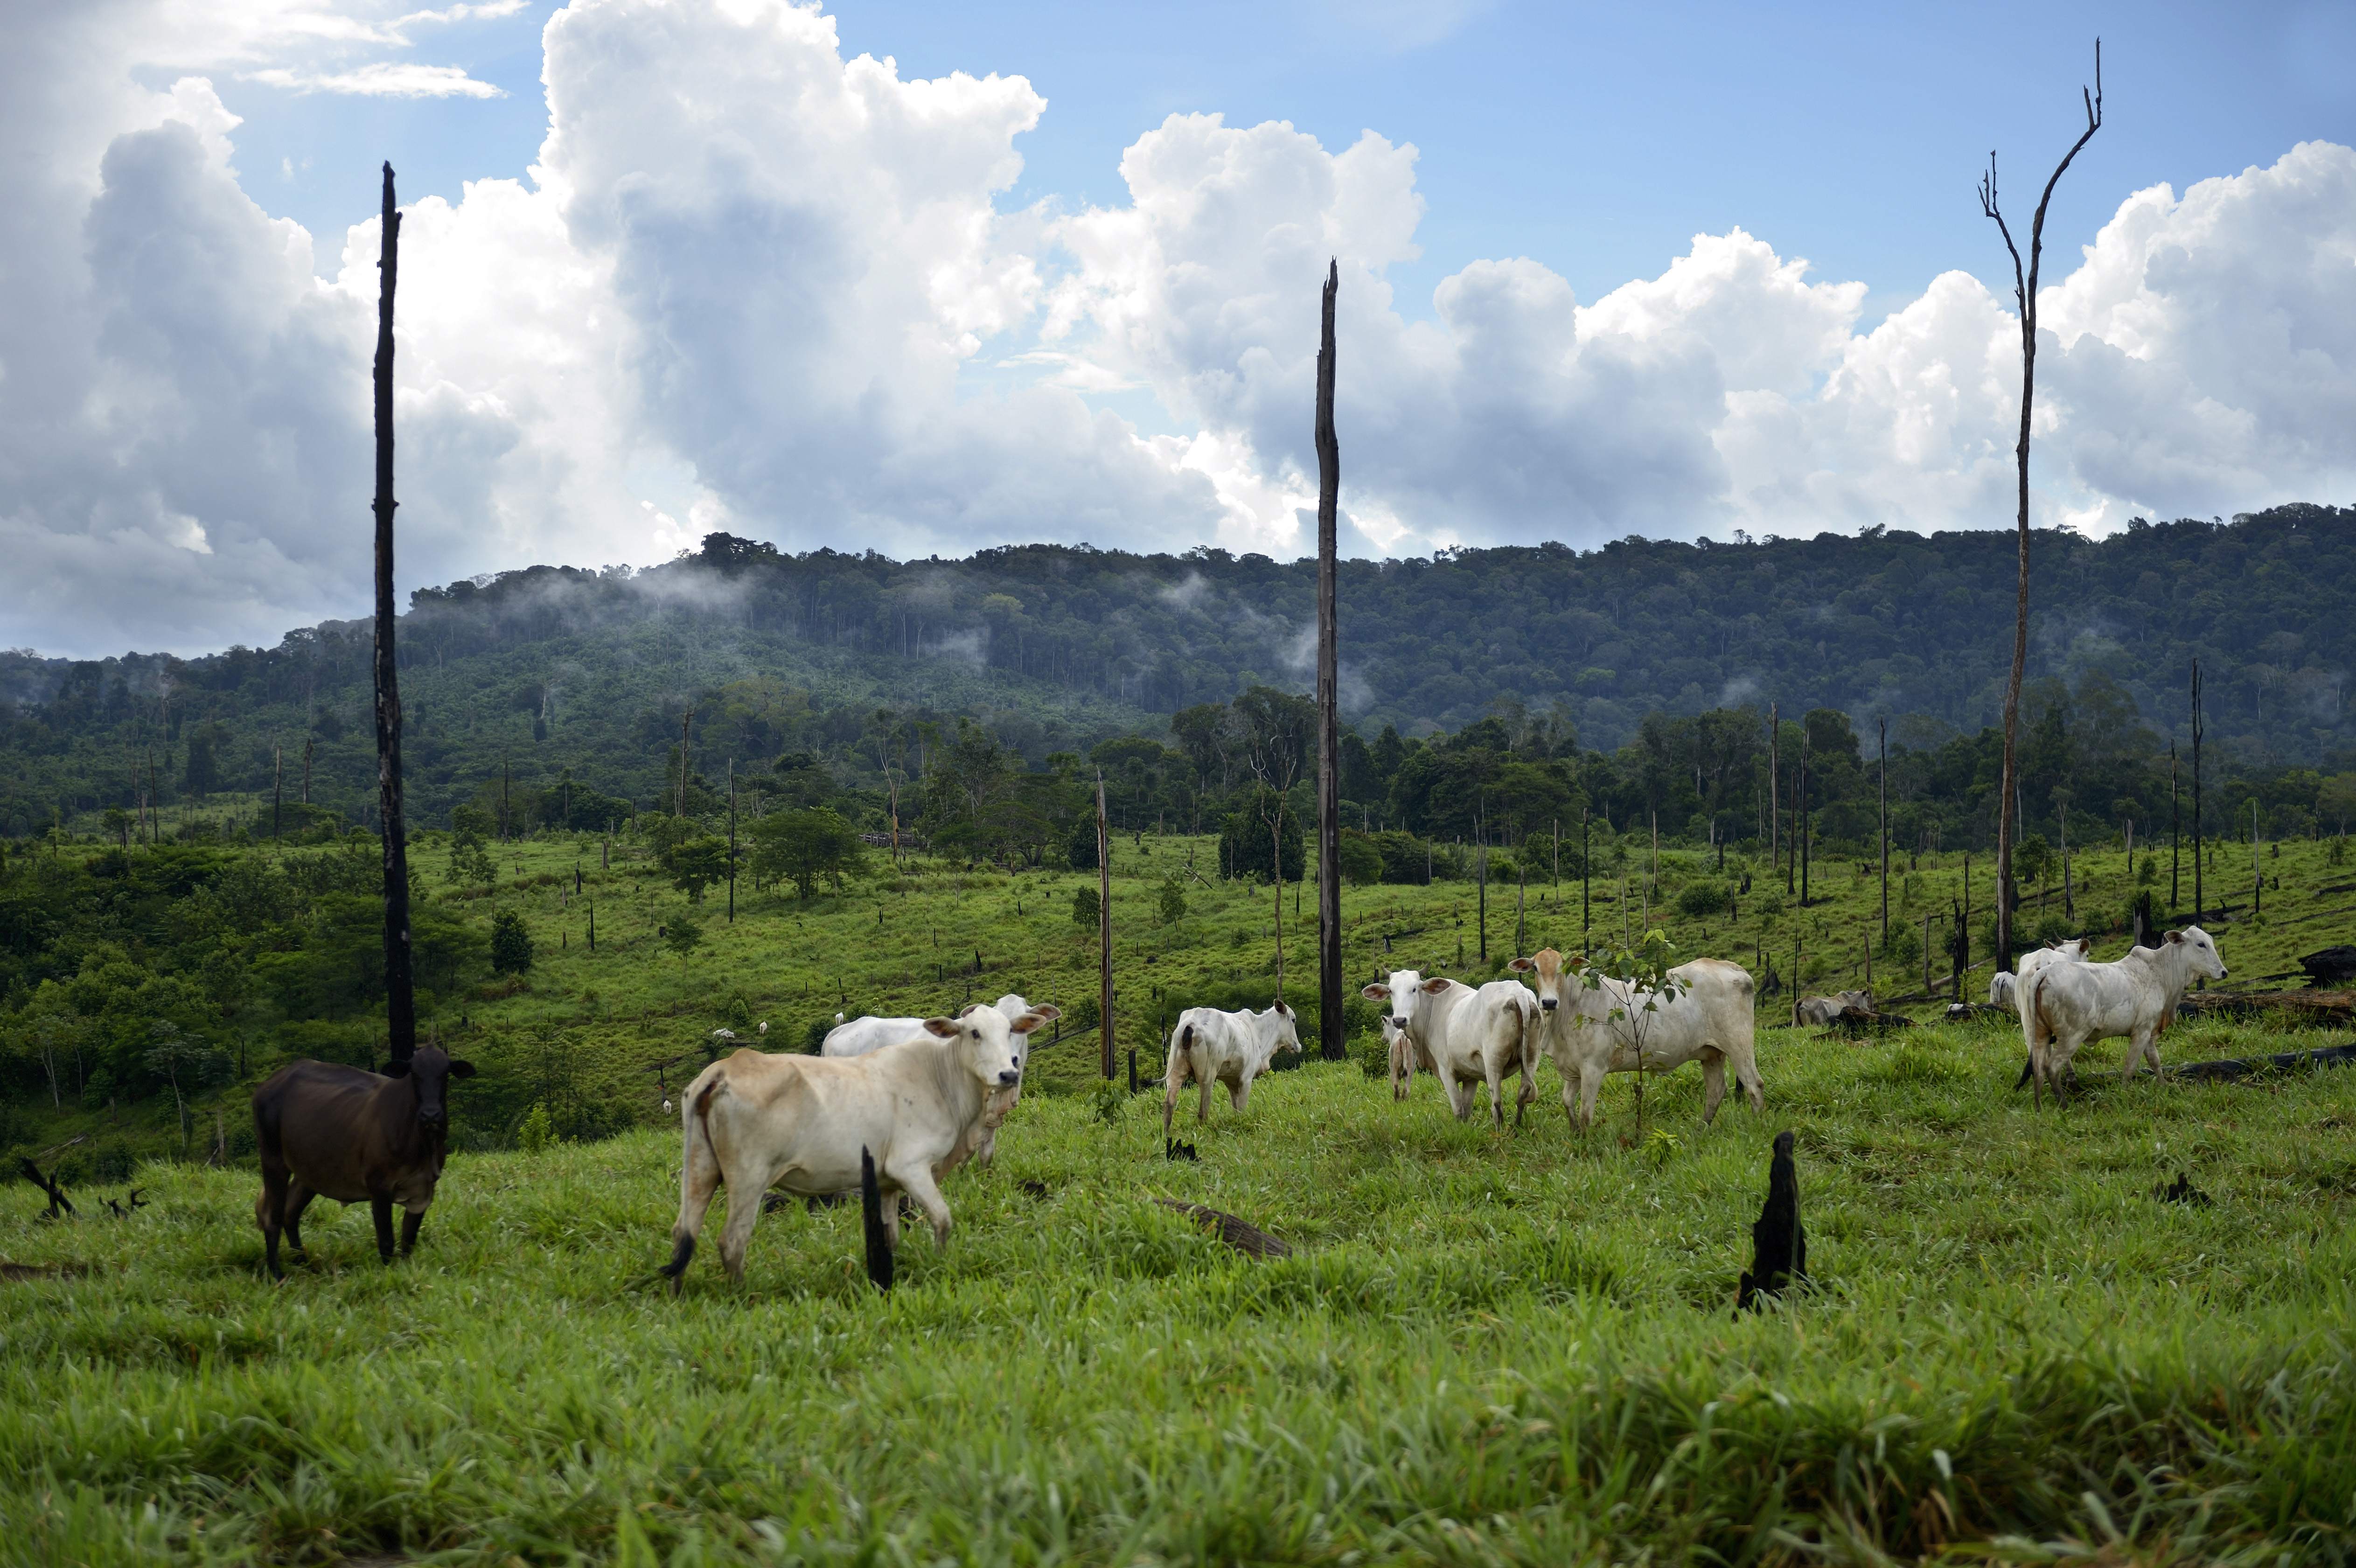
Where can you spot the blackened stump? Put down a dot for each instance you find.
(1779, 1256)
(871, 1209)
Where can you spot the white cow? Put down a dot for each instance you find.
(1462, 1037)
(1233, 1049)
(2066, 1004)
(1709, 1020)
(2004, 990)
(860, 1036)
(1818, 1012)
(799, 1122)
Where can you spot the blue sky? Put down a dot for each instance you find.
(1596, 139)
(772, 289)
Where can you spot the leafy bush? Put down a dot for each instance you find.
(1087, 911)
(511, 944)
(1700, 900)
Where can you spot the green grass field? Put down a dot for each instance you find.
(1482, 1349)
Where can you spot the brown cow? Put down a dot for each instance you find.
(348, 1134)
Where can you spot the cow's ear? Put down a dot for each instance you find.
(1047, 1011)
(1520, 965)
(1028, 1021)
(947, 1028)
(1376, 992)
(1437, 984)
(461, 1067)
(393, 1069)
(2175, 936)
(1281, 1009)
(967, 1008)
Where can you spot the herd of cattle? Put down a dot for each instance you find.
(922, 1096)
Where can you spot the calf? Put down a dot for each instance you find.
(2075, 950)
(754, 1122)
(2066, 1004)
(1462, 1037)
(1232, 1048)
(1709, 1020)
(348, 1134)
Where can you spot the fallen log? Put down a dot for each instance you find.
(1243, 1236)
(2244, 1067)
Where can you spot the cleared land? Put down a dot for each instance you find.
(1482, 1349)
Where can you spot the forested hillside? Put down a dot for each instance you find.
(530, 679)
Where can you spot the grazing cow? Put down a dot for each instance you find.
(1462, 1037)
(1709, 1020)
(2004, 990)
(348, 1134)
(799, 1122)
(2066, 1004)
(860, 1036)
(1232, 1048)
(1818, 1012)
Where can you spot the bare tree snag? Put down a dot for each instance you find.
(399, 1001)
(1104, 934)
(1329, 724)
(2024, 291)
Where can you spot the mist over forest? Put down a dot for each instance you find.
(1656, 654)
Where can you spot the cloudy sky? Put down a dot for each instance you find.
(929, 277)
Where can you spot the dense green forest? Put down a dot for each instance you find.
(557, 679)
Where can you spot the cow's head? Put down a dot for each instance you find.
(991, 1047)
(2199, 952)
(429, 1072)
(1287, 1025)
(1406, 992)
(1545, 967)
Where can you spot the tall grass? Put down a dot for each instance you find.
(1517, 1348)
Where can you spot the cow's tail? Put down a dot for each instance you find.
(1176, 1072)
(2034, 1023)
(696, 1140)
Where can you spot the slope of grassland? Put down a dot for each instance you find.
(1484, 1348)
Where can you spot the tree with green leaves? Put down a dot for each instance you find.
(511, 944)
(683, 936)
(801, 847)
(699, 863)
(182, 1061)
(1172, 904)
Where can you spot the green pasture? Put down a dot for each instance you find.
(1484, 1348)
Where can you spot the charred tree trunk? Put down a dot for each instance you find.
(2024, 290)
(400, 999)
(1329, 724)
(1104, 935)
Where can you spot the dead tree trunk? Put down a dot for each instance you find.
(1329, 724)
(2024, 291)
(1104, 934)
(400, 999)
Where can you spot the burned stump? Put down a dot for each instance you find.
(1779, 1243)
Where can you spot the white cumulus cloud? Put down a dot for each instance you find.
(753, 285)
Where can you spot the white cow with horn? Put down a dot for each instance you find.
(1462, 1037)
(2066, 1004)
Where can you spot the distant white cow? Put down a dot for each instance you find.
(1816, 1012)
(1709, 1020)
(2004, 990)
(860, 1036)
(1211, 1046)
(2066, 1004)
(797, 1123)
(1462, 1037)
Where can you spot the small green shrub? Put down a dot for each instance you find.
(536, 1132)
(511, 944)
